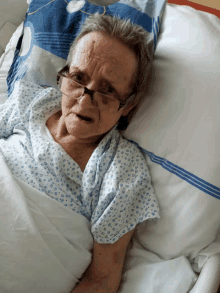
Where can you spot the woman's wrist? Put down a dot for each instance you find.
(102, 286)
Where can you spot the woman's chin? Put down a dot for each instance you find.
(82, 129)
(79, 127)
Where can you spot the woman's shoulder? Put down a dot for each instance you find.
(28, 94)
(26, 85)
(128, 145)
(128, 155)
(24, 91)
(118, 150)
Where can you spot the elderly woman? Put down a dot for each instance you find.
(65, 142)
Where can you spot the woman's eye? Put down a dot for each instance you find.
(110, 90)
(77, 77)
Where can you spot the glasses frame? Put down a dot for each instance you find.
(64, 73)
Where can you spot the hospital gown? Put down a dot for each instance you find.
(114, 192)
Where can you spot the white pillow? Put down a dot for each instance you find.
(6, 32)
(6, 61)
(178, 125)
(12, 14)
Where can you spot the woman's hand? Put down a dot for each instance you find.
(104, 273)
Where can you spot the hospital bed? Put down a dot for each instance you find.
(177, 127)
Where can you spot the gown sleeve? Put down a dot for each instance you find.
(16, 105)
(126, 197)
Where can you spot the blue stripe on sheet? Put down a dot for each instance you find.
(183, 174)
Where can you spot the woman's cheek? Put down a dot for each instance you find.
(67, 103)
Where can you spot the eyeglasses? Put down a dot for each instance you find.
(75, 90)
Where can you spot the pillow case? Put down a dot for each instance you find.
(6, 31)
(6, 61)
(177, 127)
(49, 30)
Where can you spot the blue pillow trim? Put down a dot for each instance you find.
(30, 25)
(183, 174)
(11, 79)
(54, 36)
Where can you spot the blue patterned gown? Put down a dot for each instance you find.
(114, 192)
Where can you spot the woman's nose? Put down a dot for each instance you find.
(88, 95)
(89, 92)
(87, 99)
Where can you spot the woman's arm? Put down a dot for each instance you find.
(16, 106)
(8, 117)
(104, 273)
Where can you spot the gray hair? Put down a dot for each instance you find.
(134, 36)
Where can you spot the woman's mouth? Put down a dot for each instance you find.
(87, 119)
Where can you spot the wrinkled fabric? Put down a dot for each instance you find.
(114, 192)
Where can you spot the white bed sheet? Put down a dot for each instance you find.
(44, 246)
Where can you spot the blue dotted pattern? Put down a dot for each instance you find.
(114, 192)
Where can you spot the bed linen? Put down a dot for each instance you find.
(6, 60)
(44, 246)
(178, 127)
(170, 49)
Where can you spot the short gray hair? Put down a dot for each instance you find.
(134, 36)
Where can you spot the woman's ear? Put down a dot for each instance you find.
(125, 120)
(129, 107)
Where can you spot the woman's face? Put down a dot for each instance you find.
(101, 61)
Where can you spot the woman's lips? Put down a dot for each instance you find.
(85, 118)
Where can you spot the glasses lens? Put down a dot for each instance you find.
(106, 102)
(71, 88)
(74, 89)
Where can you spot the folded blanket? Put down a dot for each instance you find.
(44, 246)
(146, 272)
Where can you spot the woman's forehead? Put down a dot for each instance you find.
(104, 50)
(91, 59)
(95, 41)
